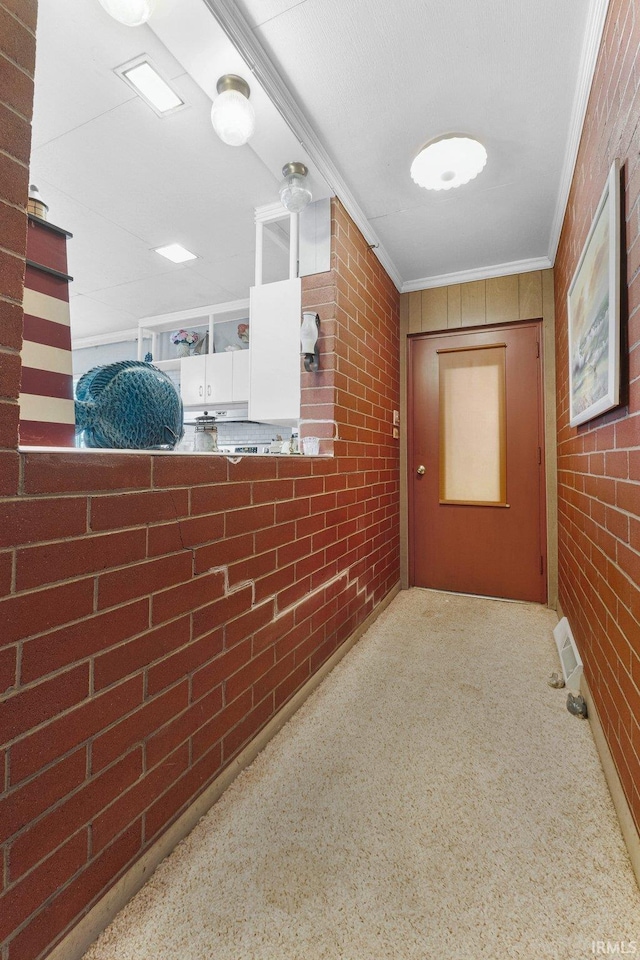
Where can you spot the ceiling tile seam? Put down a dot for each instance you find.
(238, 30)
(85, 123)
(101, 216)
(589, 58)
(479, 273)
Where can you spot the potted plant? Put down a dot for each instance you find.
(185, 340)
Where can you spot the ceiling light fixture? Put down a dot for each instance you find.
(232, 115)
(294, 192)
(448, 162)
(147, 82)
(133, 13)
(176, 253)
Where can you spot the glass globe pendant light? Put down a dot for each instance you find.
(133, 13)
(448, 162)
(294, 192)
(232, 115)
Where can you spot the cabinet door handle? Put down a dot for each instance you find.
(208, 389)
(201, 390)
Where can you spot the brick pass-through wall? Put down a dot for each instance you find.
(156, 611)
(599, 462)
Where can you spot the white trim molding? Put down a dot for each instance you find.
(628, 827)
(270, 213)
(479, 273)
(590, 48)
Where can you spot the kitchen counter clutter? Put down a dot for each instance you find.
(230, 431)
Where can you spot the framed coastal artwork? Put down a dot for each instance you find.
(594, 312)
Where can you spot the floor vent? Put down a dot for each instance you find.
(569, 656)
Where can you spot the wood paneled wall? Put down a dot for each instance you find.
(498, 300)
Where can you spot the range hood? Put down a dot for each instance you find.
(230, 413)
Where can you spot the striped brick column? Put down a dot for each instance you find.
(46, 397)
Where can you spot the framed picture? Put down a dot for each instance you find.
(593, 306)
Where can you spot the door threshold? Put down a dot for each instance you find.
(478, 596)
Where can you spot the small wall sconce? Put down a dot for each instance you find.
(309, 333)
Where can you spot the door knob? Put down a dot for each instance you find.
(421, 471)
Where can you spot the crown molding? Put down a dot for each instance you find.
(590, 48)
(239, 32)
(480, 273)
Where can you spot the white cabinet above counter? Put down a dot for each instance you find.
(275, 316)
(215, 378)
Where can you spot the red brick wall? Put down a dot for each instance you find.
(157, 611)
(599, 462)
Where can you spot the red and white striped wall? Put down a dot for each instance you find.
(46, 395)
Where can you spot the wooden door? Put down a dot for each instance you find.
(476, 462)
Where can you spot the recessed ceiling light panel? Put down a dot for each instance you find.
(176, 253)
(448, 162)
(147, 82)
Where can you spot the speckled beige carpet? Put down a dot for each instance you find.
(432, 799)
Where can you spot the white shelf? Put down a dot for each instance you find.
(167, 364)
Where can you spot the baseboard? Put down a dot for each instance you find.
(628, 827)
(78, 940)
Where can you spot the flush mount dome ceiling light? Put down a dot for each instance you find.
(232, 115)
(133, 13)
(448, 162)
(294, 192)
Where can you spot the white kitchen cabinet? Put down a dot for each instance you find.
(275, 314)
(240, 367)
(214, 379)
(193, 380)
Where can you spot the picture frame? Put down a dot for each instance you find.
(593, 311)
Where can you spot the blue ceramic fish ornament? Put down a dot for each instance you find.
(129, 405)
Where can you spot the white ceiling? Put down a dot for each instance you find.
(364, 85)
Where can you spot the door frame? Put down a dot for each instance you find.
(546, 429)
